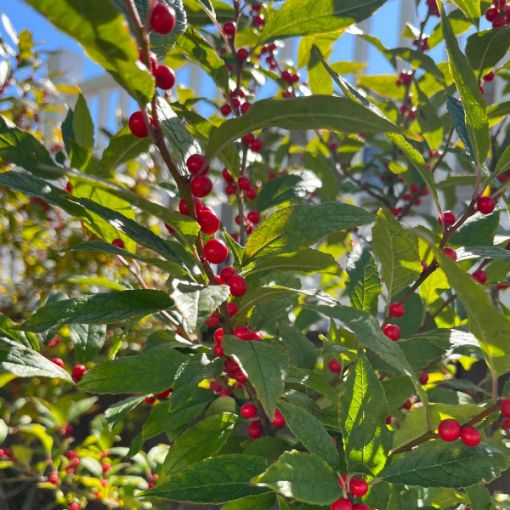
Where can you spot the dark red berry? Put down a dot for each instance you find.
(183, 206)
(137, 125)
(215, 251)
(480, 276)
(358, 486)
(118, 243)
(242, 54)
(232, 309)
(450, 253)
(149, 400)
(165, 77)
(505, 408)
(162, 19)
(449, 219)
(164, 394)
(392, 331)
(251, 194)
(360, 506)
(491, 13)
(489, 76)
(449, 430)
(218, 351)
(226, 110)
(229, 29)
(424, 378)
(397, 309)
(197, 163)
(334, 366)
(470, 436)
(254, 217)
(485, 205)
(255, 429)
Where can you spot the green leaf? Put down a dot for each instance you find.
(299, 347)
(487, 323)
(83, 127)
(364, 286)
(307, 17)
(266, 366)
(261, 502)
(149, 372)
(98, 309)
(298, 226)
(23, 149)
(503, 162)
(471, 8)
(215, 480)
(118, 411)
(277, 191)
(306, 261)
(478, 230)
(469, 89)
(24, 362)
(123, 147)
(88, 340)
(310, 432)
(303, 477)
(104, 35)
(362, 413)
(486, 48)
(258, 295)
(396, 247)
(440, 464)
(457, 114)
(201, 441)
(310, 112)
(196, 302)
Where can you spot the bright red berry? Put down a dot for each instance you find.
(197, 163)
(229, 29)
(480, 276)
(243, 332)
(360, 506)
(219, 335)
(53, 478)
(162, 19)
(392, 331)
(424, 377)
(449, 430)
(238, 286)
(218, 351)
(470, 436)
(215, 251)
(74, 506)
(226, 273)
(255, 429)
(232, 309)
(248, 411)
(358, 486)
(78, 372)
(201, 186)
(341, 504)
(137, 125)
(397, 309)
(334, 366)
(449, 218)
(485, 205)
(279, 419)
(208, 221)
(57, 362)
(450, 253)
(505, 408)
(165, 77)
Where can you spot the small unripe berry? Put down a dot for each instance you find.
(162, 19)
(215, 251)
(397, 309)
(470, 436)
(248, 411)
(485, 205)
(334, 366)
(358, 486)
(392, 331)
(137, 125)
(449, 430)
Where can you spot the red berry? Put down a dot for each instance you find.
(360, 506)
(255, 429)
(229, 29)
(448, 219)
(162, 19)
(248, 411)
(449, 430)
(450, 253)
(243, 332)
(245, 107)
(149, 400)
(248, 138)
(485, 205)
(279, 419)
(218, 351)
(201, 186)
(71, 454)
(470, 436)
(215, 251)
(226, 110)
(74, 506)
(209, 222)
(106, 467)
(256, 145)
(407, 405)
(341, 504)
(505, 423)
(392, 331)
(424, 377)
(489, 76)
(227, 176)
(254, 217)
(358, 486)
(197, 163)
(219, 335)
(164, 394)
(137, 125)
(230, 189)
(232, 309)
(165, 77)
(480, 276)
(226, 273)
(334, 366)
(53, 478)
(397, 309)
(78, 372)
(242, 54)
(238, 286)
(251, 194)
(505, 408)
(57, 362)
(491, 13)
(243, 182)
(183, 206)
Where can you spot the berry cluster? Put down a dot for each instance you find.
(498, 14)
(250, 412)
(356, 487)
(77, 372)
(450, 430)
